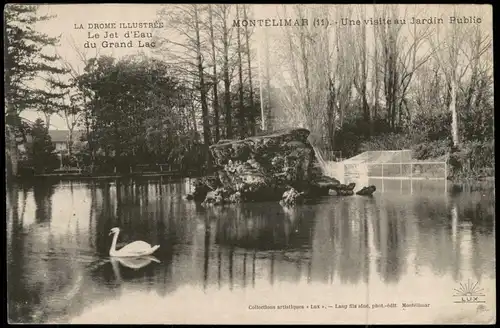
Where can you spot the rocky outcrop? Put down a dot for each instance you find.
(263, 168)
(345, 190)
(367, 191)
(321, 185)
(292, 197)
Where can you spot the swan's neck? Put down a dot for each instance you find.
(113, 244)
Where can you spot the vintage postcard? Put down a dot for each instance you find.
(249, 164)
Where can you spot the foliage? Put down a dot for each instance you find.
(140, 111)
(362, 89)
(389, 141)
(477, 123)
(473, 159)
(429, 137)
(431, 127)
(40, 152)
(431, 150)
(249, 113)
(24, 59)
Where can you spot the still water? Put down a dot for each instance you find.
(412, 242)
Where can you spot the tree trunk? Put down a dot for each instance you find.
(305, 67)
(481, 88)
(331, 114)
(118, 150)
(252, 104)
(268, 107)
(454, 116)
(10, 132)
(376, 81)
(215, 80)
(364, 70)
(241, 112)
(227, 81)
(47, 120)
(89, 127)
(471, 92)
(203, 94)
(70, 140)
(12, 158)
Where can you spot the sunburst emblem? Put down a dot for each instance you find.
(469, 289)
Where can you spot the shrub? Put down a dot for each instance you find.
(477, 123)
(40, 152)
(473, 159)
(389, 141)
(432, 127)
(431, 149)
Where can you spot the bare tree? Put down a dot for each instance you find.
(215, 80)
(446, 52)
(344, 67)
(478, 44)
(388, 38)
(184, 47)
(204, 105)
(304, 63)
(241, 112)
(249, 63)
(223, 13)
(361, 68)
(375, 76)
(426, 92)
(77, 106)
(411, 61)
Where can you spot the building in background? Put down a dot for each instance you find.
(60, 139)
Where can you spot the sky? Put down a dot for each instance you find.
(70, 17)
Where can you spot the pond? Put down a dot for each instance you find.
(422, 243)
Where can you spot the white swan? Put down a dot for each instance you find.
(135, 249)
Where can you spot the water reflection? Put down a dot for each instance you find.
(263, 226)
(57, 244)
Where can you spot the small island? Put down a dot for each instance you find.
(279, 166)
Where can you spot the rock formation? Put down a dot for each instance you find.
(277, 166)
(367, 191)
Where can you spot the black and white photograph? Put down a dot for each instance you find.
(249, 163)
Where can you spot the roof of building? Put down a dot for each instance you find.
(62, 135)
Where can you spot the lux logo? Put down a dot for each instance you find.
(469, 293)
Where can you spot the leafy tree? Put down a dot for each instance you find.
(24, 61)
(140, 111)
(40, 151)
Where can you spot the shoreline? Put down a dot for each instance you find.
(79, 176)
(105, 176)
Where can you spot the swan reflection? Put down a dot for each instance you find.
(134, 263)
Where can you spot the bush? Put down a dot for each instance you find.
(433, 127)
(476, 124)
(355, 131)
(431, 149)
(473, 159)
(389, 141)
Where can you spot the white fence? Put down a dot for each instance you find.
(401, 170)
